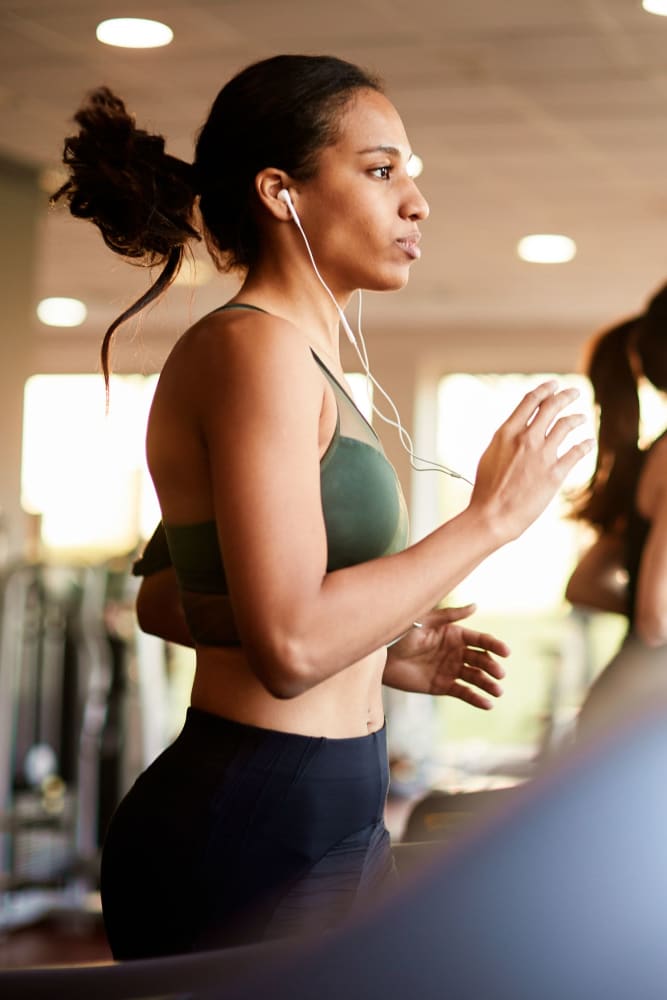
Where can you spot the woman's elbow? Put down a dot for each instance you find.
(283, 667)
(282, 684)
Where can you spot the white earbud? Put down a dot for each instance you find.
(284, 195)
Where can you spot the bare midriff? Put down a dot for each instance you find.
(349, 704)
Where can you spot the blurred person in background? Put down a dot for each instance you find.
(625, 569)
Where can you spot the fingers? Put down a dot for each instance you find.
(564, 426)
(485, 644)
(547, 411)
(529, 404)
(569, 459)
(539, 408)
(444, 616)
(483, 672)
(476, 687)
(536, 421)
(471, 696)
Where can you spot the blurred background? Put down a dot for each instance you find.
(530, 118)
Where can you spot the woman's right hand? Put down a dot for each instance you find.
(523, 467)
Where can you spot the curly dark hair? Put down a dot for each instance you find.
(278, 112)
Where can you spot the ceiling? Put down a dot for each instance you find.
(530, 116)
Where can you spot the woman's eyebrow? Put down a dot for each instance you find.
(390, 150)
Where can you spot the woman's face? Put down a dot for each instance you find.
(361, 211)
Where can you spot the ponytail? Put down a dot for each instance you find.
(609, 494)
(139, 197)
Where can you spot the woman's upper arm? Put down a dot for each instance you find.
(597, 581)
(261, 411)
(651, 600)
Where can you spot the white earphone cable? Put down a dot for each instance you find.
(427, 465)
(406, 441)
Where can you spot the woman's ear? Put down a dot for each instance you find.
(268, 183)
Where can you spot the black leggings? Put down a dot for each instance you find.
(238, 834)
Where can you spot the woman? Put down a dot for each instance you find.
(285, 523)
(625, 570)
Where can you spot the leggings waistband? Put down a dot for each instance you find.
(283, 751)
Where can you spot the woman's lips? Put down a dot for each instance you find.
(410, 244)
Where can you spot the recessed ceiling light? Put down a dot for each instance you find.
(134, 33)
(415, 165)
(61, 312)
(655, 7)
(546, 248)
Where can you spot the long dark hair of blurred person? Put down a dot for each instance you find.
(625, 502)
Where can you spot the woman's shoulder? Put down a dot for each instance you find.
(232, 335)
(234, 326)
(232, 355)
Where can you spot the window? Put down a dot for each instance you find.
(83, 470)
(519, 589)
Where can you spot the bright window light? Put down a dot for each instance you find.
(471, 408)
(546, 248)
(134, 33)
(84, 470)
(61, 312)
(655, 7)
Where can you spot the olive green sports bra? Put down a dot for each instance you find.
(364, 513)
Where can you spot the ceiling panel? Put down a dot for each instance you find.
(528, 113)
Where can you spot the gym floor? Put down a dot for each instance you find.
(55, 940)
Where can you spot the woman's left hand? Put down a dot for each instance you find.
(442, 658)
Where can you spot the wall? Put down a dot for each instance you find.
(22, 204)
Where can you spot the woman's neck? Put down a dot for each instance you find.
(303, 304)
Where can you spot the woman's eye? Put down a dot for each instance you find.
(383, 172)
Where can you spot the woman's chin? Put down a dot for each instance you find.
(391, 282)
